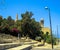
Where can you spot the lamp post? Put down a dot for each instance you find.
(50, 25)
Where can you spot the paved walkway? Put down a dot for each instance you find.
(35, 44)
(46, 47)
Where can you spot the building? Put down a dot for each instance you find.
(44, 29)
(42, 22)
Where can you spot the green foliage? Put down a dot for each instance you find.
(48, 39)
(29, 26)
(1, 19)
(26, 26)
(9, 18)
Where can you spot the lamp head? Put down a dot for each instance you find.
(46, 7)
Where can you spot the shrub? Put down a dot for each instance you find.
(38, 39)
(48, 40)
(15, 31)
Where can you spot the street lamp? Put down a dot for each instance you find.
(50, 25)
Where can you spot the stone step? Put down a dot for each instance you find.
(23, 47)
(9, 45)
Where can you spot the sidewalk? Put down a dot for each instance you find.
(47, 47)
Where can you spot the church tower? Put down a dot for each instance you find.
(16, 17)
(42, 22)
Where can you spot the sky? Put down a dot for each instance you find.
(37, 7)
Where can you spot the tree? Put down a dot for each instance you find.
(26, 18)
(10, 21)
(5, 29)
(9, 18)
(29, 26)
(1, 19)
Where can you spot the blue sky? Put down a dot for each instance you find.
(37, 7)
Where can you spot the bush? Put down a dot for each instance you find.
(48, 40)
(38, 39)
